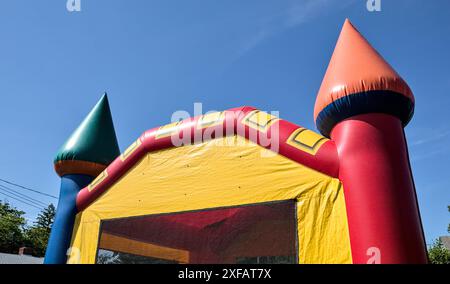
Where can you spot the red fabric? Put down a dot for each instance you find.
(208, 235)
(379, 192)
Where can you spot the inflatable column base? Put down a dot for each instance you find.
(383, 216)
(62, 228)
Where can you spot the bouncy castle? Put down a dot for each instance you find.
(244, 186)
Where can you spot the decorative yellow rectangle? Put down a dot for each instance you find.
(130, 150)
(210, 119)
(101, 177)
(259, 120)
(167, 130)
(306, 140)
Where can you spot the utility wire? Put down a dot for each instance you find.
(40, 208)
(21, 195)
(25, 195)
(27, 188)
(24, 198)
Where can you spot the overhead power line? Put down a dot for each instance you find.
(21, 195)
(40, 208)
(29, 189)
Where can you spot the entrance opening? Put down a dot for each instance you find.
(257, 233)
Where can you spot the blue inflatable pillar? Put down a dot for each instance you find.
(61, 234)
(88, 151)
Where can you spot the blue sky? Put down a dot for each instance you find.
(156, 57)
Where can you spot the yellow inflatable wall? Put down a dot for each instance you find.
(220, 173)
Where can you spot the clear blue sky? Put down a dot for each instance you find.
(156, 57)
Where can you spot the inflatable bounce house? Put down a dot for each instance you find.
(243, 186)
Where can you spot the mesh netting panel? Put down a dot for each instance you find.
(259, 233)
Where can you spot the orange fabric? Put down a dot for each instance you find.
(121, 244)
(78, 167)
(355, 67)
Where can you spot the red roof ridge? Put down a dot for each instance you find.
(295, 142)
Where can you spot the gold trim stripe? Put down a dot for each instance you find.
(210, 119)
(98, 180)
(131, 149)
(167, 130)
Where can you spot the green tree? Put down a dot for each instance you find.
(45, 219)
(36, 236)
(438, 254)
(12, 225)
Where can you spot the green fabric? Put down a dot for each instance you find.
(94, 140)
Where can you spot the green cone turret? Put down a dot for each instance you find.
(92, 146)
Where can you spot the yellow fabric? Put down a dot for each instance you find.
(210, 175)
(322, 226)
(84, 239)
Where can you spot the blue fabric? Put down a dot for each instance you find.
(62, 228)
(388, 102)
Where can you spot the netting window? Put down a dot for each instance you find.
(249, 234)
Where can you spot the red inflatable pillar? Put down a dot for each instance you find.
(363, 104)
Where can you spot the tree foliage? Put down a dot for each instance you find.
(14, 232)
(36, 236)
(12, 224)
(438, 254)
